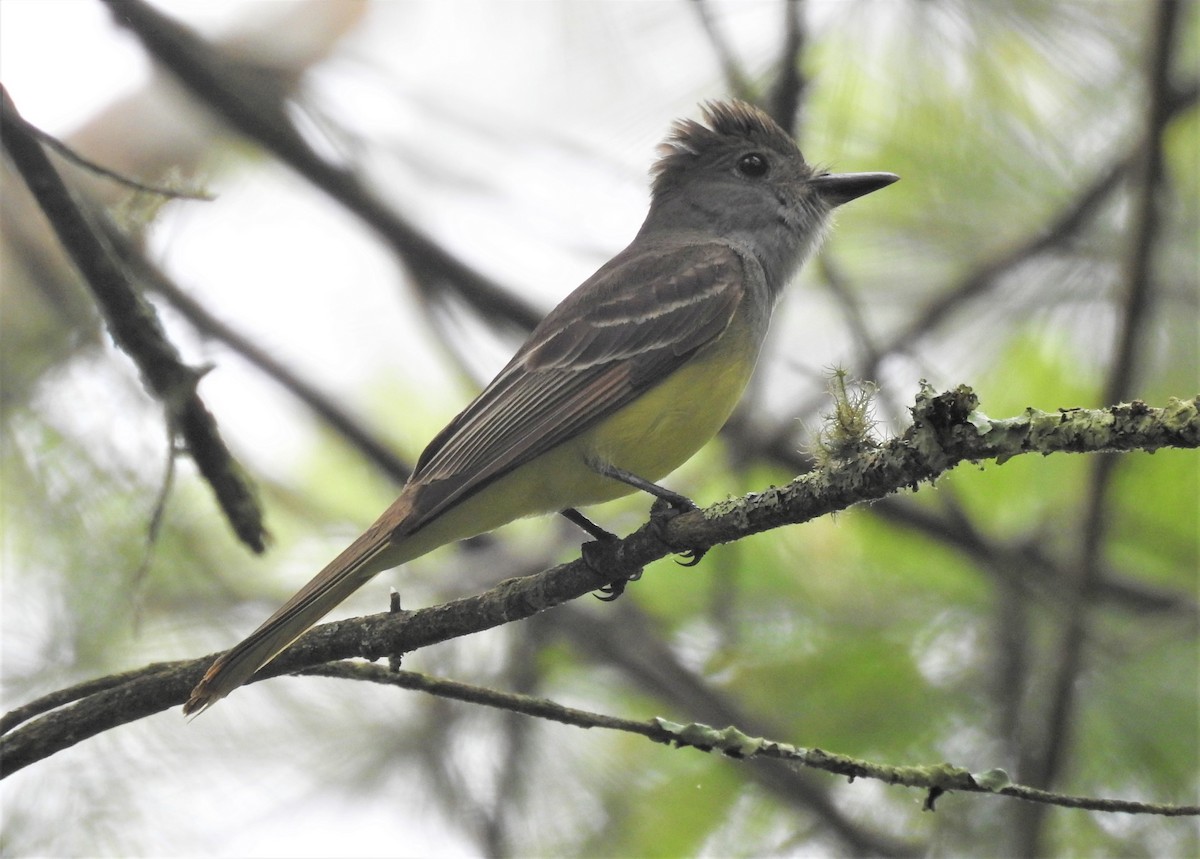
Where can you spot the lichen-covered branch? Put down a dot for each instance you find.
(936, 779)
(948, 429)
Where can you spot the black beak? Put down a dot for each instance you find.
(838, 188)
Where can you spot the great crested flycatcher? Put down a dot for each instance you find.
(628, 377)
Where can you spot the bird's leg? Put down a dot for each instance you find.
(591, 528)
(596, 554)
(667, 506)
(681, 503)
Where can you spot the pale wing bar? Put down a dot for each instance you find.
(569, 379)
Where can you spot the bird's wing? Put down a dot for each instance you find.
(624, 330)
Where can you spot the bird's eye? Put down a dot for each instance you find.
(753, 165)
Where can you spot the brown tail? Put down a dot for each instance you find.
(343, 576)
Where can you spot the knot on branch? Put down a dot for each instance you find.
(941, 422)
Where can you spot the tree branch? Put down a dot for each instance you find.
(372, 447)
(251, 102)
(938, 779)
(989, 274)
(134, 325)
(947, 429)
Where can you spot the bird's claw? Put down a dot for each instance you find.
(662, 511)
(599, 556)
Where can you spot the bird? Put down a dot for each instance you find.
(622, 382)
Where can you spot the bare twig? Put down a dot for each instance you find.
(100, 170)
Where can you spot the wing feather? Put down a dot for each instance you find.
(625, 329)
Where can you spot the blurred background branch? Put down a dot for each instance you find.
(134, 326)
(1051, 735)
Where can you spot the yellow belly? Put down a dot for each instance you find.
(650, 437)
(663, 428)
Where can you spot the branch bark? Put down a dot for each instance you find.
(948, 429)
(134, 325)
(937, 779)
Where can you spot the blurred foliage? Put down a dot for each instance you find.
(871, 633)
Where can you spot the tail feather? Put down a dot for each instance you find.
(349, 571)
